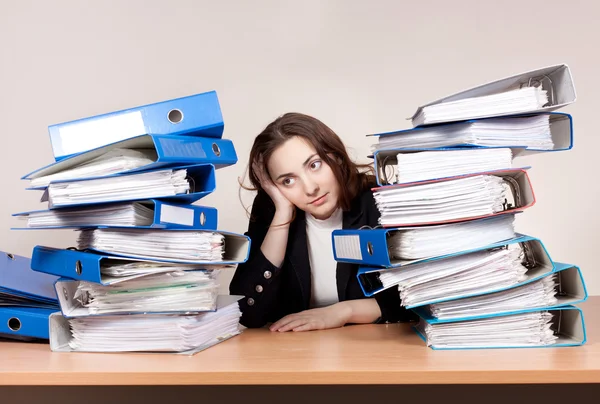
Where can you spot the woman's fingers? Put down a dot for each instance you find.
(309, 326)
(283, 321)
(294, 324)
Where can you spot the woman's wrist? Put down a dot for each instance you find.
(283, 215)
(360, 311)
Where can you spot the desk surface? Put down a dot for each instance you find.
(363, 354)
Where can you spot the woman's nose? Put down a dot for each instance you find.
(311, 187)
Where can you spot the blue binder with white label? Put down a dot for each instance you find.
(163, 215)
(88, 265)
(158, 151)
(197, 115)
(375, 247)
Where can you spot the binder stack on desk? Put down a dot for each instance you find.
(144, 273)
(448, 193)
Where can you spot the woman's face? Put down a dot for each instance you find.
(303, 178)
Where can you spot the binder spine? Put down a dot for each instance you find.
(68, 263)
(24, 323)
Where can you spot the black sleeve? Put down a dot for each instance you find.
(389, 299)
(257, 279)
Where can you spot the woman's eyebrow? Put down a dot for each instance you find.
(303, 164)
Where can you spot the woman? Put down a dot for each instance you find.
(307, 187)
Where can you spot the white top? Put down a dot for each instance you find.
(320, 254)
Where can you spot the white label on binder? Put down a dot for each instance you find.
(95, 133)
(177, 215)
(347, 247)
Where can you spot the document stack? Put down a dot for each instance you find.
(144, 273)
(448, 193)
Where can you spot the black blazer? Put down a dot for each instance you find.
(272, 293)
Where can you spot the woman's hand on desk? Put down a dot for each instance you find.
(334, 316)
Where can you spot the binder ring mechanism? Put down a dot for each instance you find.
(192, 183)
(545, 82)
(516, 192)
(175, 116)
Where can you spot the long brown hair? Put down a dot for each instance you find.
(353, 178)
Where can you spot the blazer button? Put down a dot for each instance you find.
(258, 288)
(267, 274)
(250, 301)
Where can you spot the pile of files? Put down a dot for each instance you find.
(144, 273)
(449, 194)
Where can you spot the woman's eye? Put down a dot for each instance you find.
(287, 181)
(315, 164)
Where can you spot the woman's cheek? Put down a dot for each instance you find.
(289, 194)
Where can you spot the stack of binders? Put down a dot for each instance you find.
(144, 273)
(448, 193)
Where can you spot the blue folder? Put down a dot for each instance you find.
(198, 115)
(166, 150)
(561, 130)
(370, 247)
(201, 176)
(570, 284)
(568, 324)
(20, 284)
(368, 276)
(87, 265)
(25, 322)
(166, 216)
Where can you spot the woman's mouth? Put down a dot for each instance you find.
(319, 201)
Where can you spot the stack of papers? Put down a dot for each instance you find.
(148, 333)
(540, 293)
(429, 165)
(508, 102)
(517, 330)
(184, 246)
(112, 162)
(178, 291)
(147, 185)
(456, 199)
(527, 132)
(118, 214)
(430, 241)
(454, 277)
(115, 270)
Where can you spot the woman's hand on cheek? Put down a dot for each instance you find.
(333, 316)
(282, 204)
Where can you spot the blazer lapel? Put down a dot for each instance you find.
(298, 255)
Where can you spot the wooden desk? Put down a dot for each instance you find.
(365, 354)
